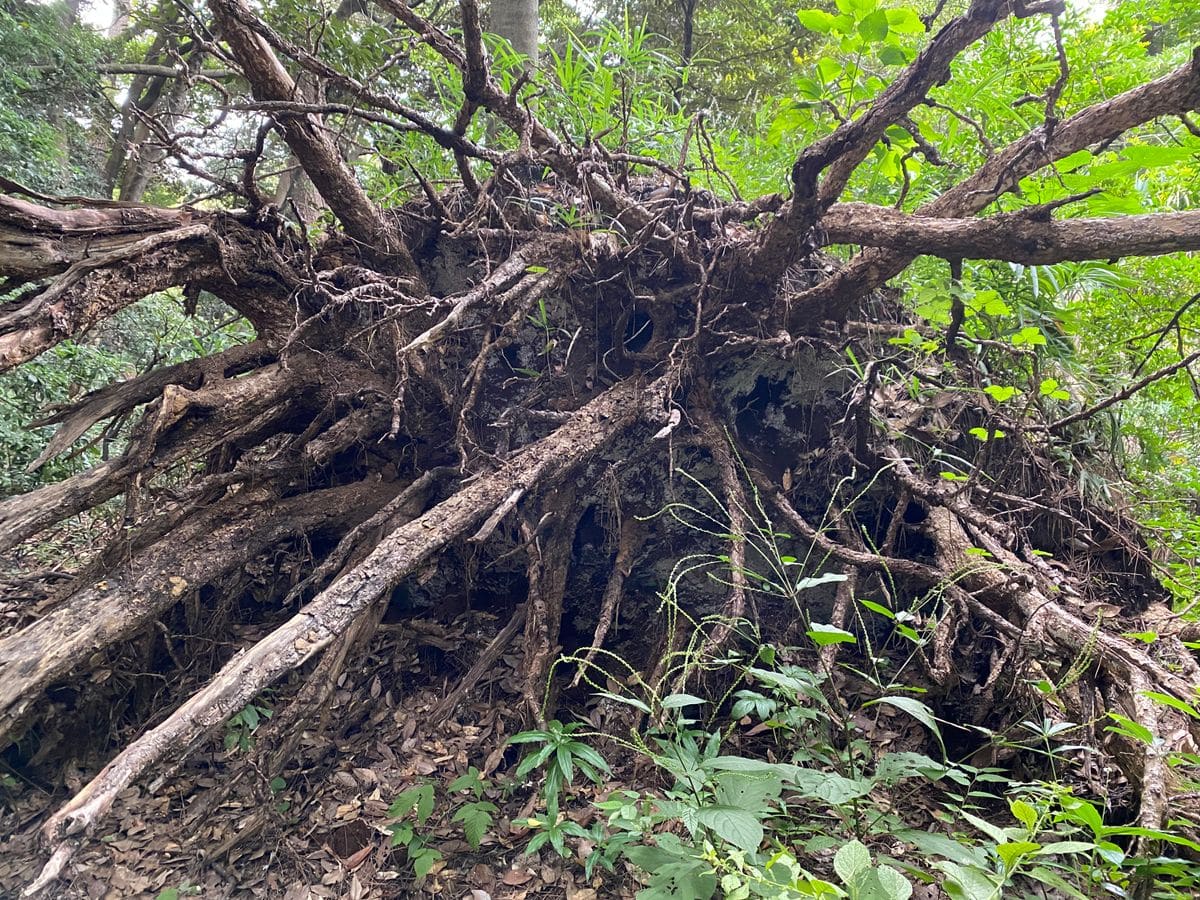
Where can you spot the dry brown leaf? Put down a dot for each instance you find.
(516, 877)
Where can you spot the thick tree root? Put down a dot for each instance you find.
(333, 611)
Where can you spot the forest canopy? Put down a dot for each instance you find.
(750, 447)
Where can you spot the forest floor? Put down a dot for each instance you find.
(217, 829)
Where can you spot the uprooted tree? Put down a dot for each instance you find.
(468, 385)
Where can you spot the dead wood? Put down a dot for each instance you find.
(440, 398)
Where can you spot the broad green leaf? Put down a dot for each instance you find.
(857, 8)
(1000, 392)
(891, 884)
(932, 843)
(816, 20)
(810, 88)
(1023, 813)
(836, 790)
(423, 860)
(1030, 336)
(968, 882)
(874, 27)
(1012, 851)
(850, 860)
(905, 20)
(738, 826)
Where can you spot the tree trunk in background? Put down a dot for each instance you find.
(517, 22)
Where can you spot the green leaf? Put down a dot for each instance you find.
(589, 755)
(1173, 702)
(816, 20)
(423, 859)
(419, 796)
(249, 715)
(995, 832)
(816, 581)
(859, 8)
(564, 763)
(536, 270)
(476, 819)
(874, 27)
(917, 710)
(968, 882)
(1012, 852)
(823, 635)
(678, 701)
(891, 55)
(1030, 336)
(627, 701)
(836, 790)
(850, 860)
(168, 894)
(737, 826)
(877, 608)
(1130, 728)
(1152, 833)
(905, 20)
(1146, 637)
(1023, 813)
(528, 737)
(1064, 847)
(1000, 392)
(892, 885)
(810, 88)
(469, 780)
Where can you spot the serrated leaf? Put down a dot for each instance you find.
(476, 819)
(423, 860)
